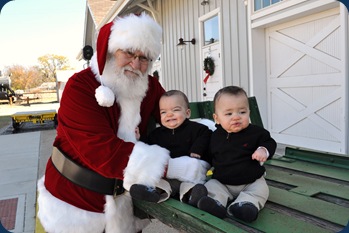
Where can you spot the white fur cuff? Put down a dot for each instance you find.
(146, 165)
(187, 169)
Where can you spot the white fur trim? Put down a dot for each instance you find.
(209, 123)
(119, 215)
(146, 165)
(187, 169)
(144, 35)
(57, 216)
(104, 96)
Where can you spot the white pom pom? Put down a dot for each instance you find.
(104, 96)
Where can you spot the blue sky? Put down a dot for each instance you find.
(32, 28)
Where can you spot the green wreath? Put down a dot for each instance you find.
(209, 66)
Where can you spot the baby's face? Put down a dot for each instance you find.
(173, 111)
(232, 112)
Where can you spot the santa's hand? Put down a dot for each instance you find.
(187, 169)
(146, 165)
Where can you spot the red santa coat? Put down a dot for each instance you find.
(87, 133)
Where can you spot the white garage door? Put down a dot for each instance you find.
(306, 81)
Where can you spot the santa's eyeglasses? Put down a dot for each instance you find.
(131, 55)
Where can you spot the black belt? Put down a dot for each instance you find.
(85, 177)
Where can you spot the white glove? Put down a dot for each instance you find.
(187, 169)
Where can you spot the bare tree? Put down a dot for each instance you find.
(24, 78)
(50, 63)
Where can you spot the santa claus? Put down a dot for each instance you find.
(96, 155)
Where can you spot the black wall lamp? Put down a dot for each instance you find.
(182, 42)
(204, 2)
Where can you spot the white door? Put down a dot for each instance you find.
(211, 48)
(306, 75)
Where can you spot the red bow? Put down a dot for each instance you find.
(207, 76)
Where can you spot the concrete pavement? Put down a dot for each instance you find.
(18, 171)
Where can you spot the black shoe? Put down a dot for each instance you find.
(144, 193)
(175, 186)
(197, 192)
(245, 211)
(212, 206)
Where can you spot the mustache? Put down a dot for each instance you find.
(129, 68)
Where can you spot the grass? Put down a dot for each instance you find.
(5, 121)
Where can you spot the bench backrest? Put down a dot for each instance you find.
(205, 110)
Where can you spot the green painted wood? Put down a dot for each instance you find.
(255, 116)
(308, 186)
(318, 157)
(311, 168)
(321, 209)
(194, 109)
(201, 109)
(185, 217)
(272, 221)
(189, 219)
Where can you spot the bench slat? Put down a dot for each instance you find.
(318, 157)
(189, 219)
(308, 186)
(185, 217)
(272, 221)
(311, 168)
(321, 209)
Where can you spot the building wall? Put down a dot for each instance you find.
(183, 68)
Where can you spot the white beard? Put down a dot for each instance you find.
(129, 93)
(122, 85)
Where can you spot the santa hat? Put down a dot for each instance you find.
(133, 32)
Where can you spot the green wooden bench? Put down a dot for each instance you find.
(309, 192)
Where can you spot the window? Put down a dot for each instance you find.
(211, 30)
(260, 4)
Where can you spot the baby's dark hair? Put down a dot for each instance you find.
(179, 93)
(230, 90)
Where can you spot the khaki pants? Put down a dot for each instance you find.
(256, 193)
(185, 187)
(165, 186)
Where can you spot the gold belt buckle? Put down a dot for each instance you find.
(118, 190)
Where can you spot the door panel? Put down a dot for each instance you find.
(215, 81)
(211, 42)
(306, 83)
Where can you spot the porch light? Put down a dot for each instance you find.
(182, 42)
(204, 2)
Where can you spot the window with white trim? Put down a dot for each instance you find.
(260, 4)
(211, 30)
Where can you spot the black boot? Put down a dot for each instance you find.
(175, 186)
(245, 211)
(212, 206)
(144, 193)
(197, 192)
